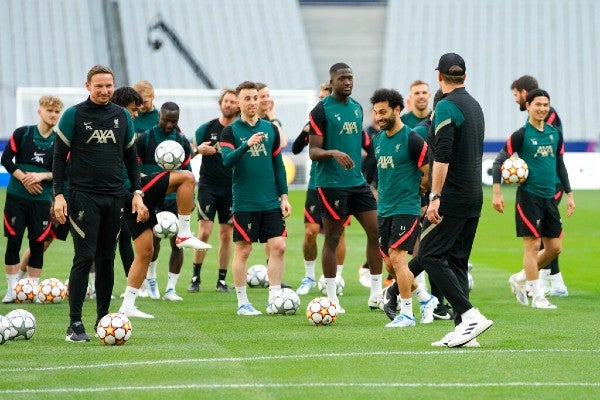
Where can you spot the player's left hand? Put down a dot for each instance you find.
(138, 206)
(432, 213)
(286, 207)
(570, 204)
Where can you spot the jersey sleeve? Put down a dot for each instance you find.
(12, 149)
(187, 148)
(446, 118)
(301, 141)
(278, 166)
(561, 169)
(199, 135)
(231, 154)
(64, 133)
(318, 120)
(418, 149)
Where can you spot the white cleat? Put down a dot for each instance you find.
(133, 312)
(518, 288)
(401, 321)
(172, 296)
(191, 242)
(542, 302)
(427, 309)
(469, 329)
(364, 276)
(247, 309)
(306, 285)
(152, 288)
(8, 298)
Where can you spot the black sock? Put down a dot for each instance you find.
(393, 289)
(197, 268)
(222, 274)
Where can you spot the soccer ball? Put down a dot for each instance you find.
(114, 329)
(514, 170)
(4, 329)
(22, 324)
(285, 302)
(339, 285)
(169, 154)
(88, 292)
(51, 291)
(24, 290)
(321, 311)
(257, 276)
(167, 225)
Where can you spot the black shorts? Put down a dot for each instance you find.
(536, 216)
(258, 226)
(155, 188)
(398, 232)
(21, 213)
(339, 203)
(312, 209)
(60, 231)
(215, 200)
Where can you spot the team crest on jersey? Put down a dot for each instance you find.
(398, 147)
(356, 113)
(312, 209)
(102, 136)
(214, 137)
(116, 123)
(336, 204)
(80, 215)
(12, 221)
(249, 227)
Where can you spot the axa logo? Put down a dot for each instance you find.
(349, 128)
(102, 136)
(544, 151)
(257, 150)
(385, 162)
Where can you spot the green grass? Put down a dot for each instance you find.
(199, 348)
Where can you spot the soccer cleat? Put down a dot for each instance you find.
(135, 313)
(401, 321)
(542, 302)
(558, 291)
(222, 286)
(364, 276)
(270, 309)
(306, 285)
(373, 303)
(194, 285)
(442, 313)
(191, 242)
(390, 303)
(172, 296)
(8, 298)
(444, 341)
(153, 291)
(144, 291)
(427, 309)
(518, 288)
(339, 309)
(76, 333)
(469, 329)
(247, 309)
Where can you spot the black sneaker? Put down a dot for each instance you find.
(390, 303)
(76, 333)
(222, 287)
(194, 285)
(442, 312)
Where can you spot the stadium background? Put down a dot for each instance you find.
(47, 47)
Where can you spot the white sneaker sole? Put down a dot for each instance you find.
(463, 339)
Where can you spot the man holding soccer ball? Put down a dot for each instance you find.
(541, 146)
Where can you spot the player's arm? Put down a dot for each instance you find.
(62, 146)
(513, 144)
(280, 175)
(563, 176)
(318, 127)
(302, 140)
(232, 154)
(187, 149)
(201, 145)
(419, 151)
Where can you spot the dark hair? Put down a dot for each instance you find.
(260, 85)
(455, 77)
(99, 69)
(393, 97)
(337, 66)
(169, 106)
(437, 97)
(126, 95)
(224, 92)
(526, 82)
(245, 85)
(536, 93)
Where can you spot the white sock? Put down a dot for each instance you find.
(557, 280)
(309, 268)
(273, 291)
(421, 279)
(406, 307)
(375, 285)
(151, 274)
(184, 226)
(93, 281)
(470, 313)
(521, 277)
(242, 297)
(21, 274)
(11, 280)
(172, 281)
(340, 269)
(36, 279)
(331, 287)
(129, 298)
(536, 289)
(421, 293)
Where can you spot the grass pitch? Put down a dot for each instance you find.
(200, 348)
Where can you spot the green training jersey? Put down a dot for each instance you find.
(340, 125)
(258, 173)
(399, 158)
(412, 120)
(145, 121)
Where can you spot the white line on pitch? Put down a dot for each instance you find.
(445, 352)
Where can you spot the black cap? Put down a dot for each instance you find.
(448, 60)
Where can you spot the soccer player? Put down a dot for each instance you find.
(251, 148)
(28, 159)
(520, 87)
(537, 217)
(419, 95)
(455, 200)
(335, 144)
(312, 215)
(214, 189)
(99, 137)
(146, 144)
(403, 173)
(148, 114)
